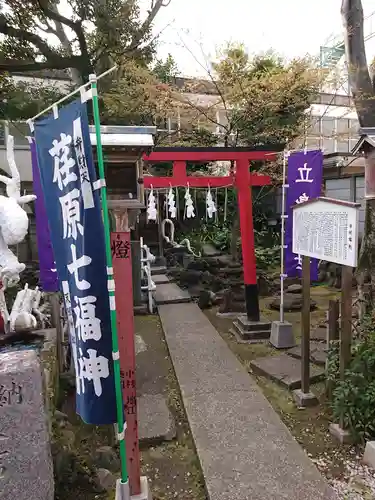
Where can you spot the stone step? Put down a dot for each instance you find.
(160, 279)
(158, 270)
(156, 423)
(318, 353)
(261, 333)
(285, 370)
(170, 293)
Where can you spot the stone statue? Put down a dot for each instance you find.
(14, 225)
(14, 221)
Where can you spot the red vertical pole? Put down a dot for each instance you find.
(245, 208)
(122, 268)
(179, 172)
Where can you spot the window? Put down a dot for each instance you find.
(328, 126)
(312, 143)
(354, 126)
(314, 126)
(342, 146)
(343, 125)
(328, 145)
(326, 98)
(341, 100)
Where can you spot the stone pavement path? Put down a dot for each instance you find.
(245, 450)
(155, 421)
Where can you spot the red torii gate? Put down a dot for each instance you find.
(242, 179)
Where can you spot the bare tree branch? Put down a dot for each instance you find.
(152, 13)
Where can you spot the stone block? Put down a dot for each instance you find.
(170, 293)
(320, 333)
(305, 400)
(156, 423)
(252, 330)
(123, 493)
(160, 279)
(285, 370)
(26, 470)
(342, 435)
(282, 336)
(369, 456)
(292, 302)
(158, 270)
(318, 353)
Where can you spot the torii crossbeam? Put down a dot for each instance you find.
(242, 179)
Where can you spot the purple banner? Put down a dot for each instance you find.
(47, 267)
(305, 177)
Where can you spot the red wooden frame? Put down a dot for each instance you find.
(242, 179)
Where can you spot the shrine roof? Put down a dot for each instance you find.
(273, 148)
(326, 200)
(124, 136)
(367, 138)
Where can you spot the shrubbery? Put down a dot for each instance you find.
(353, 400)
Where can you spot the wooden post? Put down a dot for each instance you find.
(333, 334)
(346, 319)
(122, 267)
(305, 341)
(56, 323)
(333, 320)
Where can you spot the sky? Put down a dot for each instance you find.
(193, 30)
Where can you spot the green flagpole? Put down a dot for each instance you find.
(111, 291)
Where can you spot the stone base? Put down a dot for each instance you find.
(252, 330)
(282, 336)
(304, 400)
(342, 435)
(318, 353)
(369, 456)
(155, 421)
(158, 270)
(123, 492)
(285, 370)
(141, 310)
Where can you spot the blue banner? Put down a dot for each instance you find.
(73, 207)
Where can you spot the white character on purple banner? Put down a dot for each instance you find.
(93, 368)
(71, 214)
(302, 198)
(87, 324)
(299, 262)
(304, 173)
(64, 163)
(75, 265)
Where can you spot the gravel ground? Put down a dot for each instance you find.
(357, 481)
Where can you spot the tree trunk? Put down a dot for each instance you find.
(366, 260)
(362, 89)
(360, 82)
